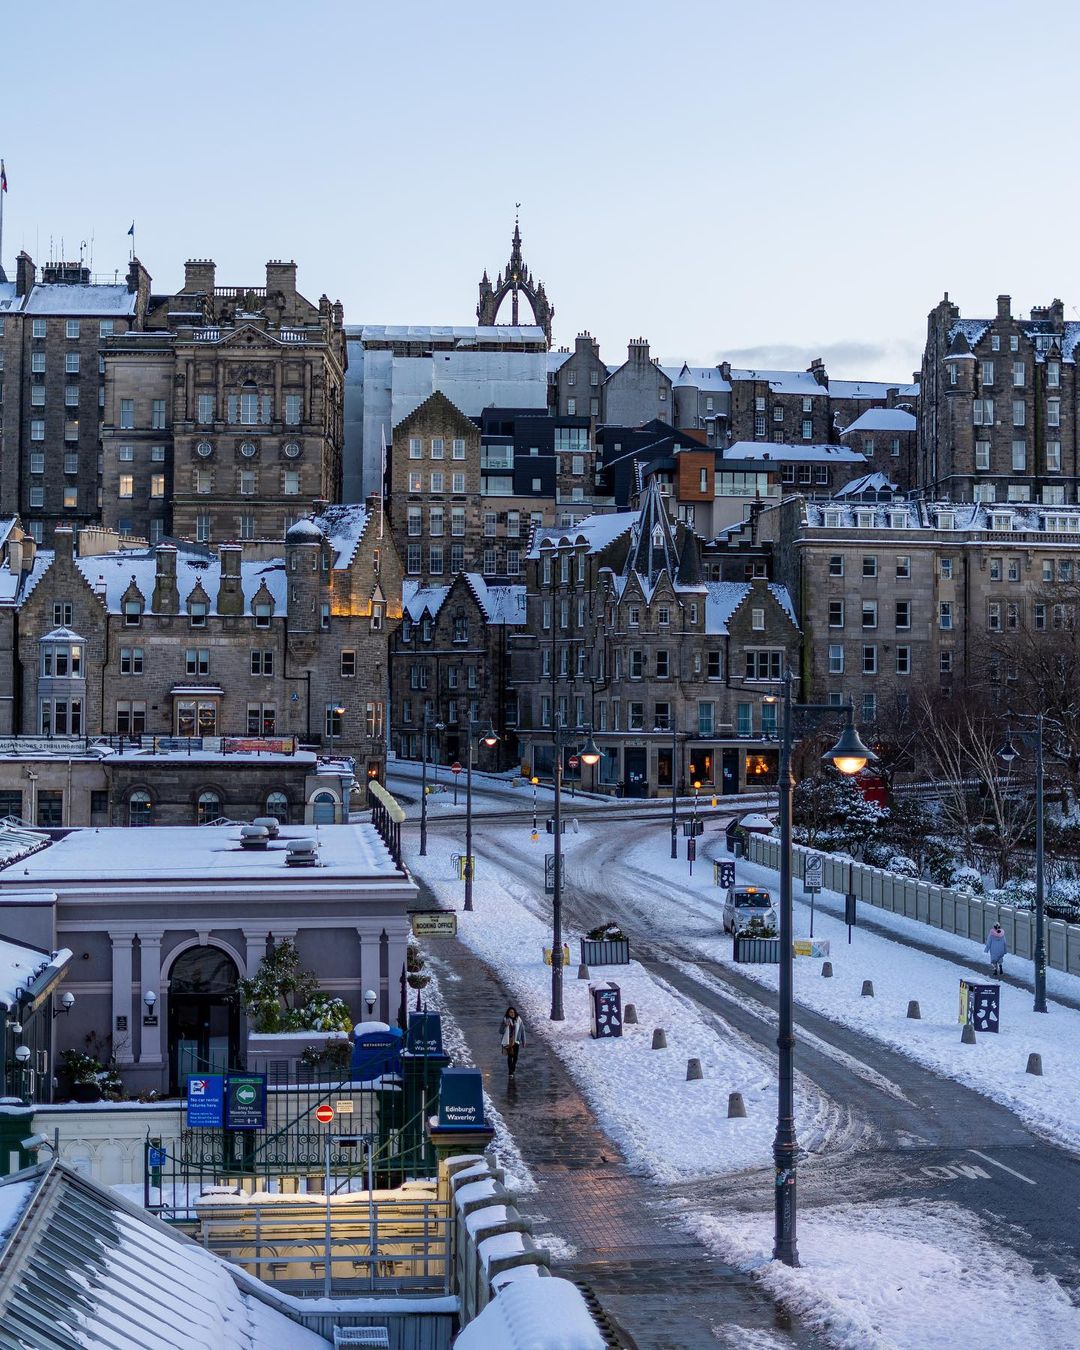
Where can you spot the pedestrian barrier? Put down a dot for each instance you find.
(959, 912)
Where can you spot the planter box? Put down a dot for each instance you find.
(757, 951)
(603, 953)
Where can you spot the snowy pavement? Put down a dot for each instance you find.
(923, 1244)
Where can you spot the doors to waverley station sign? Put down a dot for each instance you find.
(233, 1101)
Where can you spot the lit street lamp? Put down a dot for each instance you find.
(336, 713)
(849, 755)
(489, 738)
(588, 754)
(423, 777)
(1007, 754)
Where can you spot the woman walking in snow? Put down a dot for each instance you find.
(996, 948)
(512, 1036)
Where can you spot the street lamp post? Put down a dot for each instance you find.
(336, 712)
(849, 755)
(674, 791)
(588, 754)
(423, 777)
(1007, 755)
(489, 738)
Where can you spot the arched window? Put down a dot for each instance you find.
(324, 808)
(277, 805)
(208, 808)
(140, 808)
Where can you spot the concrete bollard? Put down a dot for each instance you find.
(693, 1070)
(868, 988)
(659, 1040)
(913, 1009)
(629, 1015)
(583, 972)
(826, 970)
(735, 1105)
(967, 1036)
(1034, 1065)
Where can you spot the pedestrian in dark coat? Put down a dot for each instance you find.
(512, 1038)
(996, 948)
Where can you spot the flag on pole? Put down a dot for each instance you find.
(3, 177)
(132, 230)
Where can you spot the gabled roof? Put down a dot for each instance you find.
(882, 419)
(344, 526)
(499, 604)
(61, 298)
(785, 381)
(869, 482)
(595, 532)
(450, 409)
(419, 600)
(79, 1265)
(724, 598)
(652, 541)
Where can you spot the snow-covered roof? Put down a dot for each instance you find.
(102, 1271)
(20, 965)
(417, 600)
(61, 298)
(555, 360)
(344, 526)
(723, 598)
(860, 388)
(203, 852)
(596, 532)
(802, 453)
(869, 482)
(17, 843)
(467, 333)
(785, 381)
(110, 574)
(700, 377)
(9, 301)
(501, 604)
(882, 419)
(972, 329)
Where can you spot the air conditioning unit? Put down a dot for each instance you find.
(302, 853)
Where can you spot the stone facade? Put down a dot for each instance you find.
(638, 391)
(626, 636)
(252, 379)
(578, 383)
(52, 332)
(451, 655)
(180, 641)
(998, 420)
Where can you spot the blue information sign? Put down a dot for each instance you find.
(206, 1101)
(461, 1099)
(425, 1034)
(156, 1157)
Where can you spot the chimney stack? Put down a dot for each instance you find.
(1004, 307)
(199, 276)
(25, 274)
(166, 597)
(230, 597)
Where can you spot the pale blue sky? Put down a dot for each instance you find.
(762, 181)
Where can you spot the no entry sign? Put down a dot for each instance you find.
(455, 767)
(324, 1114)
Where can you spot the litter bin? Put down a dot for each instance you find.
(606, 1001)
(979, 1005)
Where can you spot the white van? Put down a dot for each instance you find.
(744, 903)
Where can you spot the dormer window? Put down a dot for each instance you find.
(132, 613)
(945, 520)
(262, 612)
(377, 613)
(832, 520)
(197, 610)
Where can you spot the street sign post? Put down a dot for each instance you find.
(245, 1101)
(813, 880)
(435, 923)
(455, 769)
(324, 1114)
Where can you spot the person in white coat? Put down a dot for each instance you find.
(512, 1038)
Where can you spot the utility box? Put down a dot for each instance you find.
(606, 1000)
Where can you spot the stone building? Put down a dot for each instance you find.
(578, 379)
(52, 387)
(639, 390)
(998, 420)
(226, 414)
(181, 641)
(887, 438)
(451, 656)
(904, 597)
(466, 491)
(625, 635)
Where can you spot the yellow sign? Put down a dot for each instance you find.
(462, 859)
(436, 924)
(344, 1108)
(565, 959)
(810, 947)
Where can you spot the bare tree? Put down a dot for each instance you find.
(981, 805)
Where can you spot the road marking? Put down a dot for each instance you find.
(994, 1163)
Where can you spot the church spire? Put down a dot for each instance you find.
(515, 282)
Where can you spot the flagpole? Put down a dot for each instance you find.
(3, 194)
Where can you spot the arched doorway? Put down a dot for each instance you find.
(204, 1014)
(323, 808)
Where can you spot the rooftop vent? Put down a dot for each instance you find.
(269, 823)
(254, 837)
(302, 853)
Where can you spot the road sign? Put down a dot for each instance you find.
(206, 1101)
(455, 767)
(345, 1107)
(156, 1157)
(573, 761)
(436, 924)
(245, 1101)
(814, 872)
(324, 1114)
